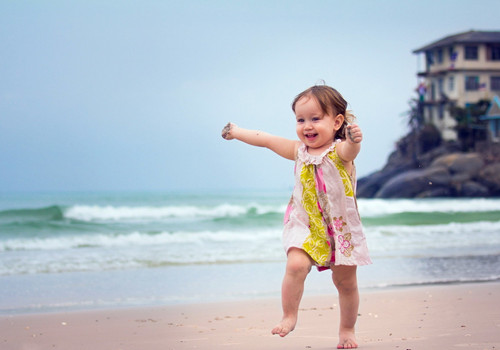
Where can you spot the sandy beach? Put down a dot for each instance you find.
(425, 317)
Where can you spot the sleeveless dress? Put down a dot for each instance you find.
(322, 217)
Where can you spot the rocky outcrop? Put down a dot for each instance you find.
(490, 177)
(441, 172)
(416, 183)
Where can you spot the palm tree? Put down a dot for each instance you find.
(470, 128)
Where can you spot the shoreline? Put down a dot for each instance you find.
(308, 294)
(180, 285)
(441, 316)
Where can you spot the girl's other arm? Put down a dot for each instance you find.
(280, 145)
(349, 149)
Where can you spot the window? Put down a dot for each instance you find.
(495, 83)
(493, 52)
(453, 54)
(451, 51)
(439, 54)
(429, 57)
(451, 83)
(471, 52)
(471, 83)
(441, 86)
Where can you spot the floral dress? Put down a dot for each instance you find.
(322, 218)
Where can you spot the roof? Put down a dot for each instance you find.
(470, 37)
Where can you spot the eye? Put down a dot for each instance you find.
(315, 119)
(300, 120)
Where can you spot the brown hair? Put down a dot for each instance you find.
(330, 102)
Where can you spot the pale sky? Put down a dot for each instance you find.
(132, 95)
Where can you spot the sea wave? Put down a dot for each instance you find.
(84, 237)
(137, 239)
(137, 250)
(119, 251)
(382, 207)
(380, 238)
(434, 239)
(430, 218)
(110, 213)
(53, 212)
(369, 208)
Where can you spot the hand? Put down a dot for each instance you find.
(226, 132)
(354, 134)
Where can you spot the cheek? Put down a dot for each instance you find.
(298, 129)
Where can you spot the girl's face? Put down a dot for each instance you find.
(314, 128)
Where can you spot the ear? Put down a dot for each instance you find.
(338, 120)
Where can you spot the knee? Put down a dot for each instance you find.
(297, 268)
(345, 284)
(298, 264)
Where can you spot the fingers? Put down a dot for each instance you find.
(354, 133)
(226, 132)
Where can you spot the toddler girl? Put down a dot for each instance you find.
(322, 224)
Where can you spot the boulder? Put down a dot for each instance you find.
(442, 171)
(490, 177)
(369, 185)
(435, 192)
(460, 178)
(413, 183)
(473, 189)
(424, 160)
(461, 163)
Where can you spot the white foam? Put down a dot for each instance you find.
(136, 250)
(367, 208)
(138, 239)
(111, 213)
(433, 237)
(379, 207)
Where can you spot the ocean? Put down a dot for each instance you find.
(72, 251)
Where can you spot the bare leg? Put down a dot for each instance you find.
(298, 266)
(344, 278)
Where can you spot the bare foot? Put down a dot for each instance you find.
(347, 339)
(285, 326)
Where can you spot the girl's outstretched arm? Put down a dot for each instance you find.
(349, 149)
(280, 145)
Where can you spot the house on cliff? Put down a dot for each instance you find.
(459, 89)
(457, 71)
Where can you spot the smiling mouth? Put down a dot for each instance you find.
(310, 136)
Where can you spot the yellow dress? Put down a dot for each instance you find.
(322, 217)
